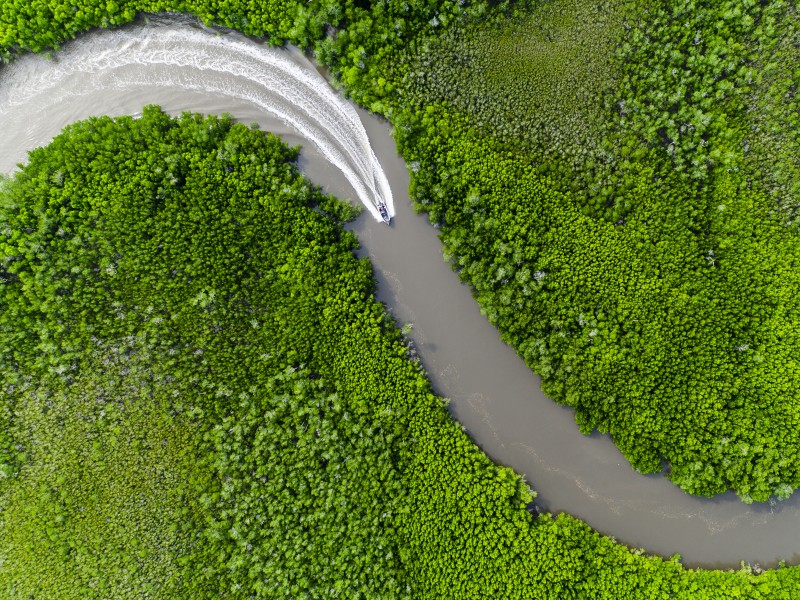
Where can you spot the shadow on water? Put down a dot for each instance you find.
(493, 394)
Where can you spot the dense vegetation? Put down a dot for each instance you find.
(646, 265)
(643, 262)
(163, 284)
(648, 273)
(203, 400)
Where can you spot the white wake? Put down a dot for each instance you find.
(39, 96)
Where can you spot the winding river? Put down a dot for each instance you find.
(180, 65)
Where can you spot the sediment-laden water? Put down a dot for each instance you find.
(179, 65)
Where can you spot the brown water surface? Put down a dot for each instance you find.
(493, 393)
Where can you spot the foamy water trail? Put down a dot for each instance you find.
(39, 96)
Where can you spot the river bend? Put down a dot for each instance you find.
(180, 65)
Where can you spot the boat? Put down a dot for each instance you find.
(384, 212)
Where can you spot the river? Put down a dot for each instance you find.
(493, 394)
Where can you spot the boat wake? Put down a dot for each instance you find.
(39, 96)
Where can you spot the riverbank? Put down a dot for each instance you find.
(494, 395)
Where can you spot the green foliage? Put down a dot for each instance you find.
(97, 509)
(687, 66)
(772, 146)
(653, 333)
(655, 295)
(534, 80)
(42, 24)
(221, 410)
(166, 280)
(305, 494)
(643, 267)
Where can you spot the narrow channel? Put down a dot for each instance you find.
(494, 395)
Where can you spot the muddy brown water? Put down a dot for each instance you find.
(493, 394)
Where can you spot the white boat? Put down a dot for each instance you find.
(384, 213)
